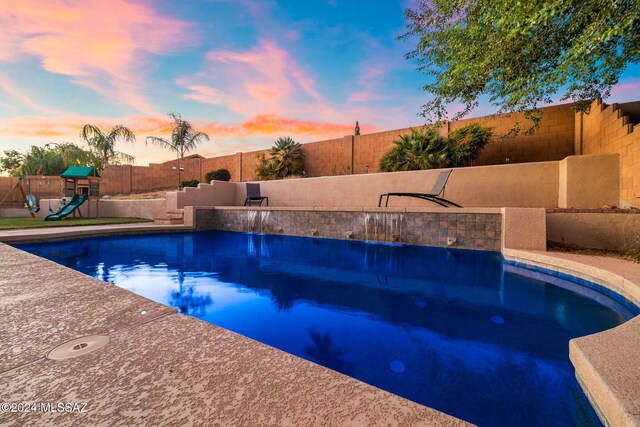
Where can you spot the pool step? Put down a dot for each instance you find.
(173, 217)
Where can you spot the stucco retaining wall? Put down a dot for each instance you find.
(614, 231)
(522, 185)
(149, 208)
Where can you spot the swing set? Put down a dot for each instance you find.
(28, 200)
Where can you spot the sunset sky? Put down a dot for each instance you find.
(243, 71)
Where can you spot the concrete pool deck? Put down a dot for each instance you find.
(63, 233)
(161, 367)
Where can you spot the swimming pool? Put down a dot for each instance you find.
(460, 331)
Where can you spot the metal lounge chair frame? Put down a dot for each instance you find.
(253, 195)
(436, 195)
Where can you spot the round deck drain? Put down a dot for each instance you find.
(78, 347)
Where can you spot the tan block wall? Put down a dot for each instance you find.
(328, 158)
(607, 129)
(249, 164)
(359, 154)
(554, 140)
(47, 187)
(231, 163)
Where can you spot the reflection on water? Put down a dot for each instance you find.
(455, 330)
(323, 351)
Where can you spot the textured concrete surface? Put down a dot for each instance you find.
(607, 363)
(64, 233)
(524, 228)
(160, 367)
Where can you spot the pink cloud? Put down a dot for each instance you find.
(100, 45)
(263, 79)
(626, 87)
(368, 82)
(69, 126)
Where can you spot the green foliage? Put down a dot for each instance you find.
(429, 150)
(191, 183)
(52, 159)
(469, 141)
(11, 162)
(266, 169)
(104, 143)
(42, 161)
(417, 151)
(184, 138)
(74, 155)
(218, 175)
(521, 54)
(286, 160)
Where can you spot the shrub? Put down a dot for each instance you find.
(416, 151)
(286, 160)
(218, 175)
(192, 183)
(429, 150)
(469, 141)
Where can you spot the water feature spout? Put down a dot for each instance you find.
(252, 221)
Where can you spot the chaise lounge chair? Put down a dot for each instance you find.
(253, 195)
(433, 196)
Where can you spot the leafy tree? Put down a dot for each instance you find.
(468, 142)
(73, 155)
(416, 151)
(11, 162)
(521, 54)
(286, 159)
(184, 137)
(42, 161)
(218, 175)
(104, 143)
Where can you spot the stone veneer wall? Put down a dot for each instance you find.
(471, 230)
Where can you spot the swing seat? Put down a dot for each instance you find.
(32, 204)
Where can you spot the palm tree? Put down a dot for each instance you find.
(287, 157)
(417, 151)
(184, 138)
(104, 143)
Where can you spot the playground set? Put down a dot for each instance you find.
(78, 185)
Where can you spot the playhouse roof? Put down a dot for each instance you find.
(80, 172)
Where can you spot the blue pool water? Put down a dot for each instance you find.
(460, 331)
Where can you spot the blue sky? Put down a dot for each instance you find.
(244, 71)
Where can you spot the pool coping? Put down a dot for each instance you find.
(52, 234)
(612, 388)
(606, 363)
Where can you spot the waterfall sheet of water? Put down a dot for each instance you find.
(252, 217)
(383, 227)
(257, 221)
